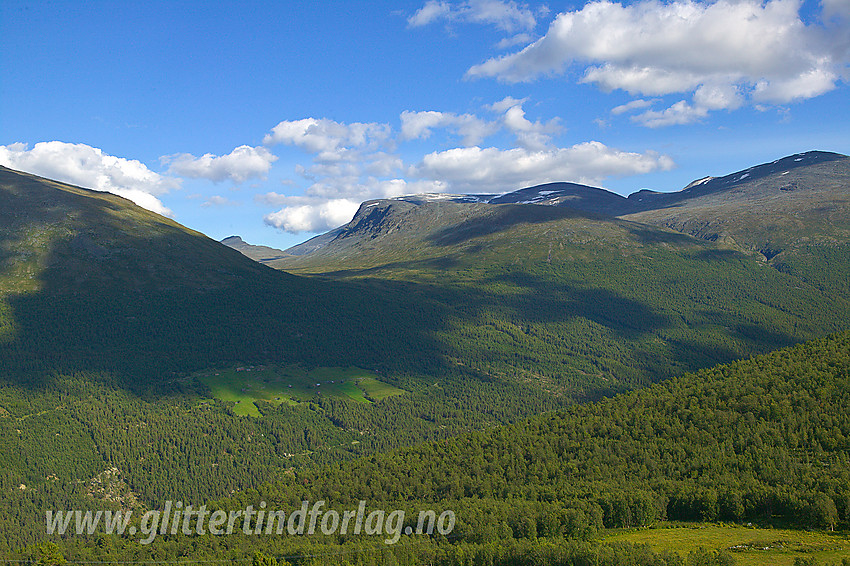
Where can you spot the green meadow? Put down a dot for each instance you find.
(749, 546)
(244, 385)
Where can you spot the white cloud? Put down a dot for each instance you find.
(678, 114)
(507, 16)
(239, 165)
(533, 135)
(382, 164)
(313, 218)
(351, 163)
(271, 199)
(706, 98)
(506, 103)
(91, 168)
(761, 49)
(641, 79)
(530, 135)
(517, 39)
(718, 97)
(836, 17)
(809, 84)
(419, 125)
(337, 186)
(491, 169)
(329, 140)
(629, 106)
(432, 11)
(836, 10)
(361, 189)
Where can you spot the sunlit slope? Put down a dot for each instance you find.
(793, 213)
(798, 200)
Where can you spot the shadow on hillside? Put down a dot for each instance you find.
(148, 307)
(141, 298)
(648, 235)
(720, 255)
(544, 301)
(503, 217)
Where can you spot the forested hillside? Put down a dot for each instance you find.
(764, 440)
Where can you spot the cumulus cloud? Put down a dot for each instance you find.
(329, 140)
(808, 84)
(514, 40)
(419, 125)
(836, 16)
(759, 49)
(313, 217)
(473, 130)
(630, 106)
(431, 12)
(706, 98)
(243, 163)
(530, 135)
(351, 162)
(492, 169)
(678, 114)
(91, 168)
(507, 16)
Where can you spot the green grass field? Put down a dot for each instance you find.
(243, 385)
(750, 546)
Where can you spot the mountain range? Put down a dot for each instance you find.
(769, 209)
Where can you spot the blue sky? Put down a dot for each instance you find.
(274, 120)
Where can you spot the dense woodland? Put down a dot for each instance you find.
(765, 440)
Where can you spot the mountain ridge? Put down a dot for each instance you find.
(788, 188)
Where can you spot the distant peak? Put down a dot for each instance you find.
(233, 240)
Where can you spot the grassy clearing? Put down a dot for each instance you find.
(244, 385)
(750, 546)
(375, 390)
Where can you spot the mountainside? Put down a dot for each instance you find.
(815, 166)
(571, 300)
(723, 443)
(61, 239)
(572, 195)
(92, 281)
(793, 213)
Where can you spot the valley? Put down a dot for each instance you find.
(555, 365)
